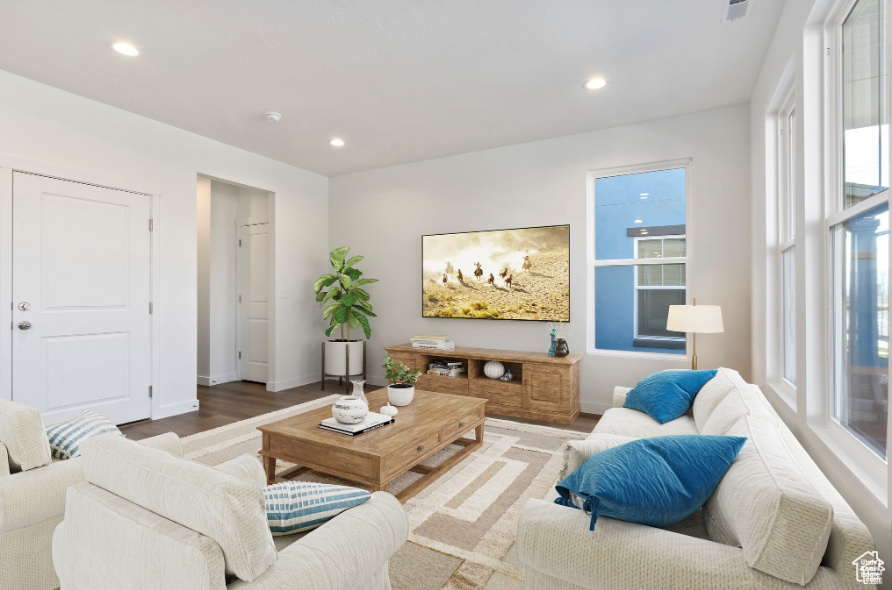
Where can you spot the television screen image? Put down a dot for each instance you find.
(508, 274)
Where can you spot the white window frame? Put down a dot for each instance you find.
(661, 287)
(787, 161)
(681, 359)
(869, 467)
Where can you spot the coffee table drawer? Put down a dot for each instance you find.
(462, 424)
(412, 455)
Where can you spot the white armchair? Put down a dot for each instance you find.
(144, 520)
(32, 496)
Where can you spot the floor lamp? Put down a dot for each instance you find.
(704, 319)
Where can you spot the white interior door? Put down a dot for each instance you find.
(253, 302)
(81, 291)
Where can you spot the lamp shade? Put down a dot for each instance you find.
(695, 318)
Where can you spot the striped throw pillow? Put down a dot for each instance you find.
(299, 506)
(65, 437)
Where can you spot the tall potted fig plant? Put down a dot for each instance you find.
(346, 306)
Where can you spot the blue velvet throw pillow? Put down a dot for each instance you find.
(667, 395)
(654, 481)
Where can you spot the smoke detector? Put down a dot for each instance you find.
(273, 116)
(733, 10)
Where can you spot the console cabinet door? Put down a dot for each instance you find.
(546, 388)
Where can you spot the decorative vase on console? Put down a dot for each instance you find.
(561, 348)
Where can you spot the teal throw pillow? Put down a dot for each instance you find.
(667, 395)
(654, 481)
(299, 506)
(65, 437)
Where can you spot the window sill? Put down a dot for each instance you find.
(678, 358)
(784, 392)
(867, 468)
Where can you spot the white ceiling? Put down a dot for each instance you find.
(399, 80)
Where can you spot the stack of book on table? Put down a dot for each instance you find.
(432, 341)
(446, 368)
(372, 421)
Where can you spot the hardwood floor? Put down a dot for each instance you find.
(230, 402)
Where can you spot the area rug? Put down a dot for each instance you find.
(462, 527)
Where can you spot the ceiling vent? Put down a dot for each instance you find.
(733, 10)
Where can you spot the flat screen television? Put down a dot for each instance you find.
(505, 274)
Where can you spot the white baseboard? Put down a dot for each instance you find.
(314, 378)
(377, 380)
(275, 386)
(594, 408)
(216, 379)
(176, 409)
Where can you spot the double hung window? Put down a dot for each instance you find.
(858, 224)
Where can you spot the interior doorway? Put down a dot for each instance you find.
(235, 280)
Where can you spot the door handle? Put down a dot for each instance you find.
(24, 325)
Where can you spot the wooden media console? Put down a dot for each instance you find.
(544, 387)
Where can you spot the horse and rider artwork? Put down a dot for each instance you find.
(509, 274)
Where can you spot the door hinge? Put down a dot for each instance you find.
(151, 308)
(150, 391)
(239, 298)
(151, 225)
(239, 243)
(240, 355)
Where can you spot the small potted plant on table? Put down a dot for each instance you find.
(402, 382)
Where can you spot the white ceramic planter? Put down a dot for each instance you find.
(336, 358)
(350, 410)
(400, 396)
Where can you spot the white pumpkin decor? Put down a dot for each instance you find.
(388, 410)
(493, 369)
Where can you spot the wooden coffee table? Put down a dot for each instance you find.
(431, 422)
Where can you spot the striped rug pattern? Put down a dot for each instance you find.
(463, 526)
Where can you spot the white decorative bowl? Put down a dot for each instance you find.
(493, 369)
(350, 410)
(400, 396)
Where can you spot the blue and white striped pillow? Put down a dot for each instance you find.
(65, 437)
(299, 506)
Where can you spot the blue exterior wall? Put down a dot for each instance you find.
(618, 203)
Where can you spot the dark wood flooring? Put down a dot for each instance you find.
(230, 402)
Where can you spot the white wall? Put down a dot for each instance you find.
(87, 140)
(381, 214)
(796, 57)
(204, 279)
(224, 209)
(218, 272)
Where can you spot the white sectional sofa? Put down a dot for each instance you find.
(774, 521)
(148, 520)
(32, 496)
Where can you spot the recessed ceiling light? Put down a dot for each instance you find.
(595, 84)
(644, 195)
(337, 142)
(273, 116)
(639, 221)
(125, 49)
